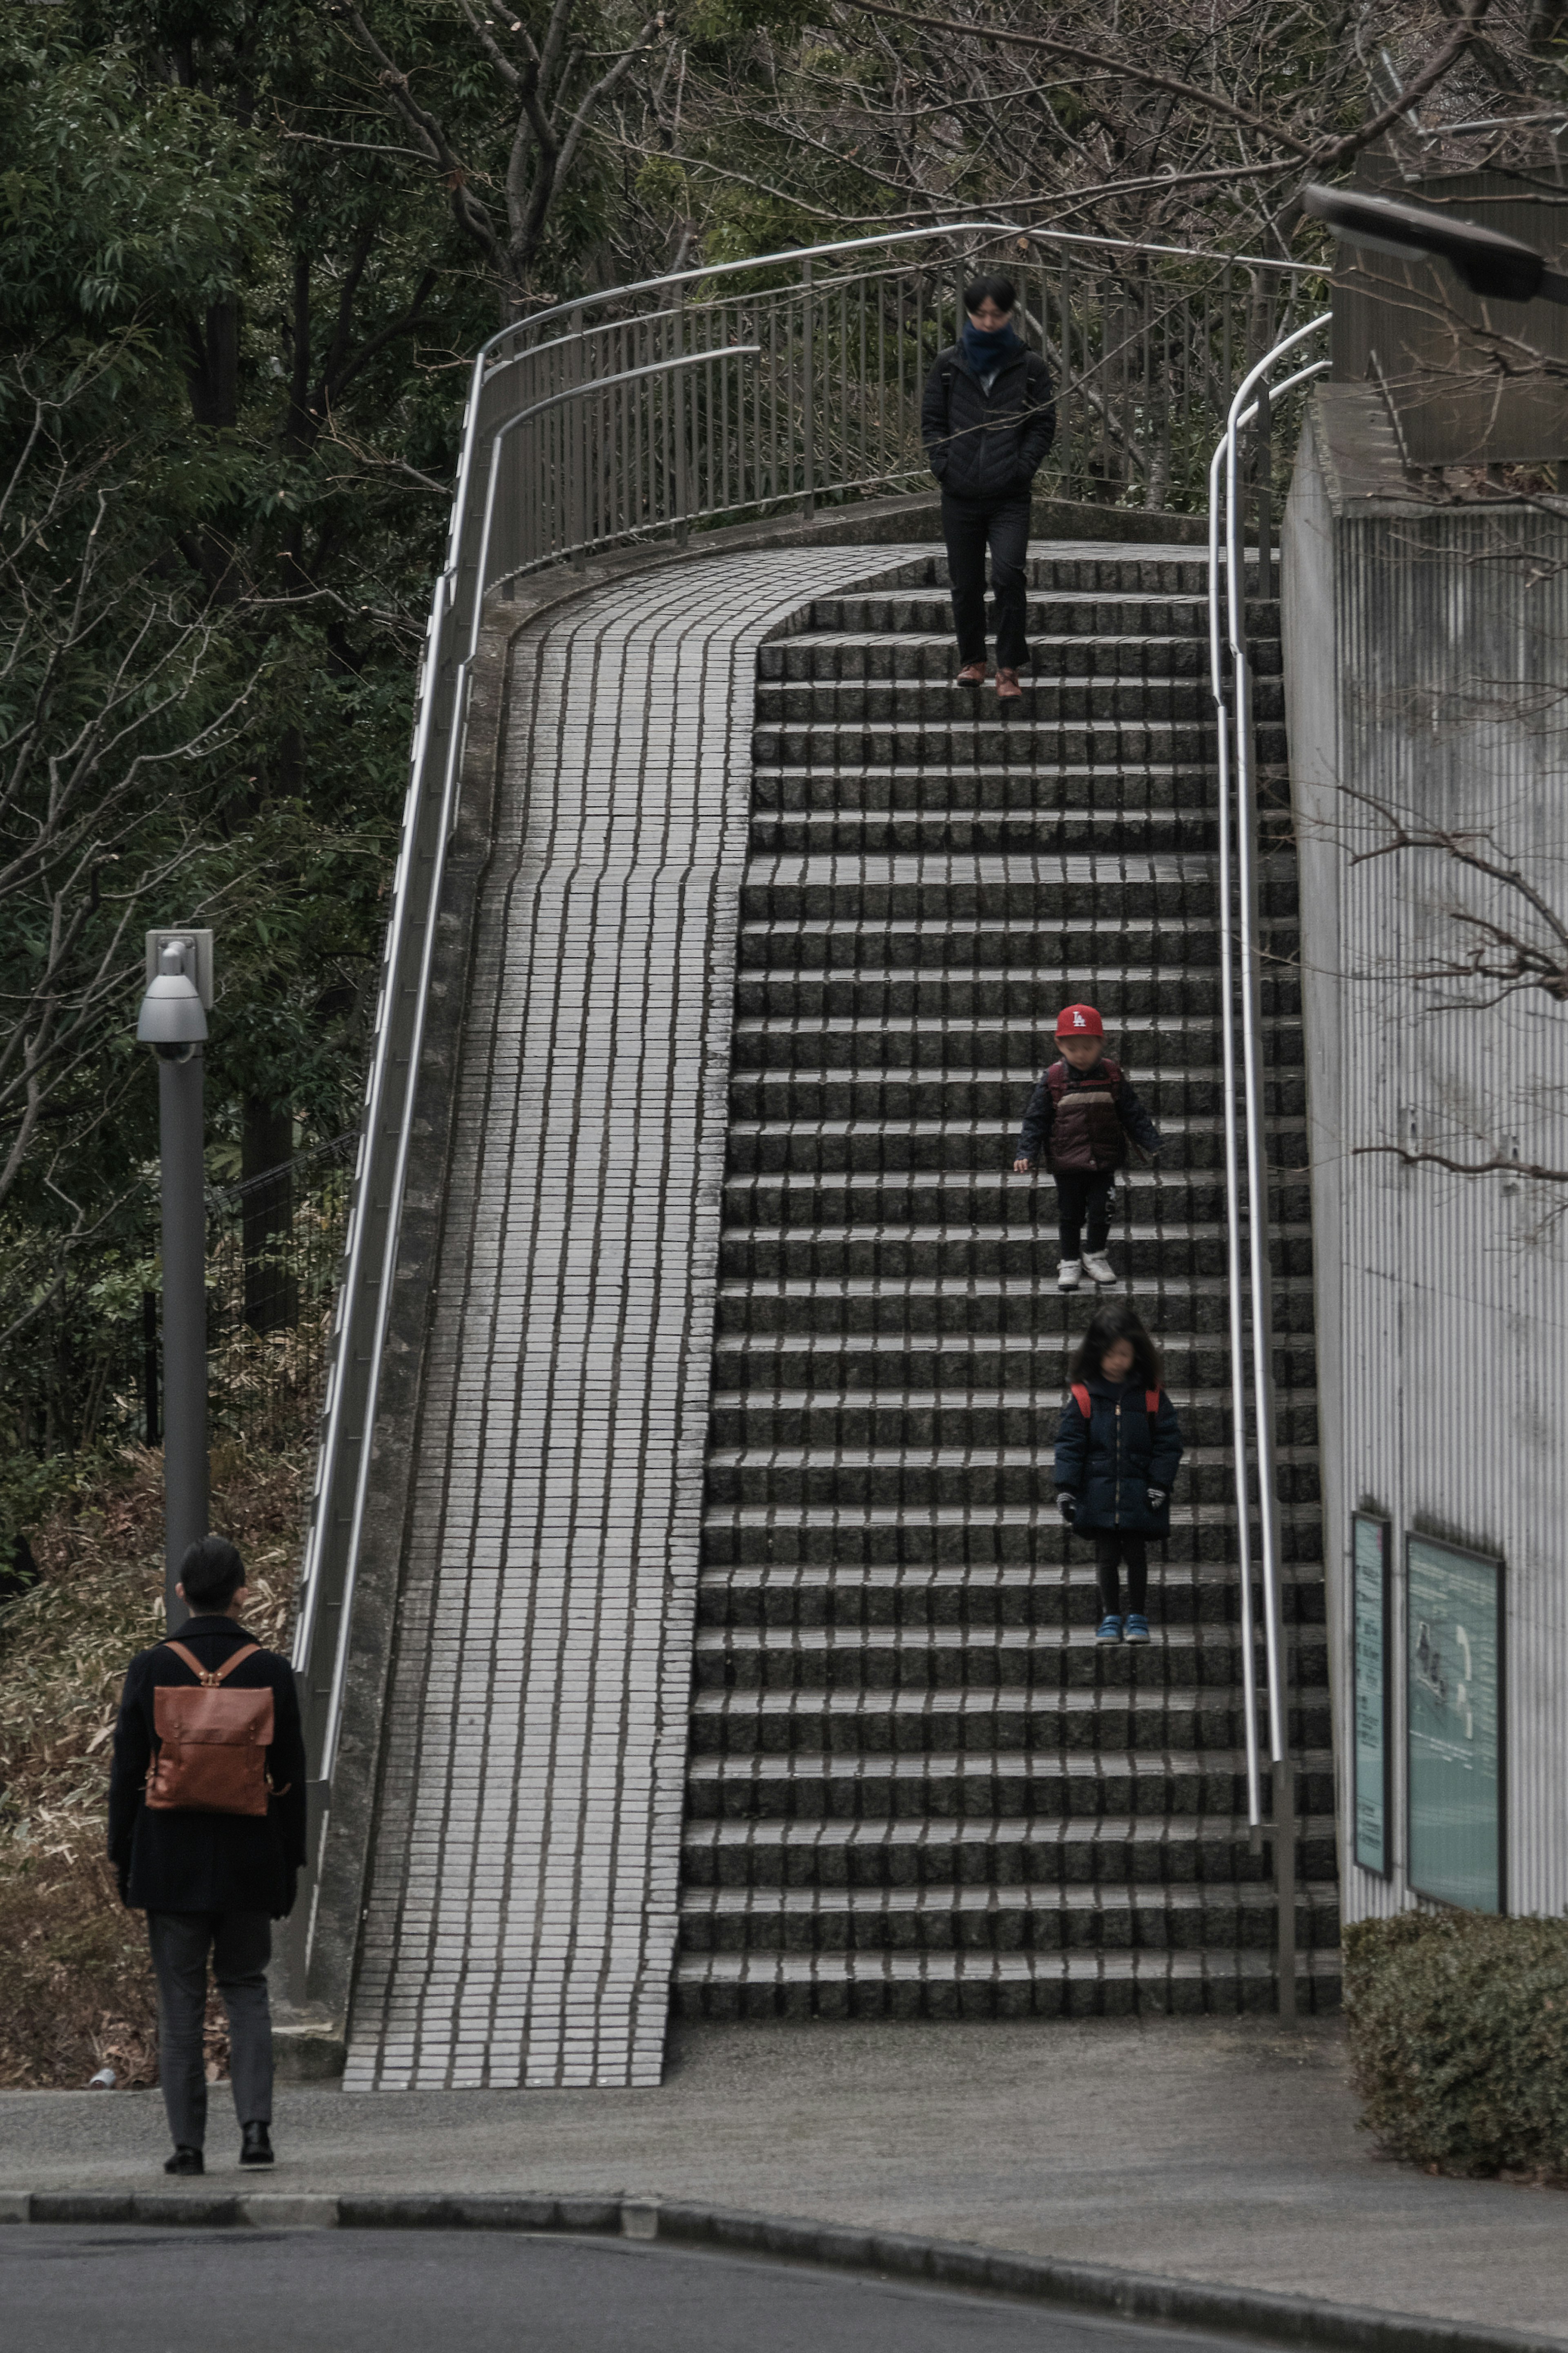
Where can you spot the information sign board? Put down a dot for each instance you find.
(1454, 1723)
(1370, 1562)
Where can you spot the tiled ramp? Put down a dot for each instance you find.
(522, 1916)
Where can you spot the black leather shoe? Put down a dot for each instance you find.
(256, 2146)
(185, 2160)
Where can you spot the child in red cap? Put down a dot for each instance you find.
(1080, 1116)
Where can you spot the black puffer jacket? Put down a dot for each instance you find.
(987, 445)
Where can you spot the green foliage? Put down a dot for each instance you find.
(1458, 2039)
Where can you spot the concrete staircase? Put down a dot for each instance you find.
(916, 1786)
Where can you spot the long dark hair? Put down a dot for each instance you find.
(1117, 1321)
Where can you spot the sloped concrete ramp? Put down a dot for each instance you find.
(522, 1910)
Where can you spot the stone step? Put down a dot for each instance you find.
(887, 618)
(1051, 1591)
(1173, 687)
(887, 889)
(1153, 1201)
(857, 1536)
(896, 1308)
(970, 1254)
(762, 1417)
(812, 1095)
(1034, 1918)
(1146, 1047)
(1045, 833)
(721, 1987)
(759, 1362)
(1134, 1001)
(917, 1479)
(983, 940)
(763, 1146)
(1043, 785)
(877, 1723)
(808, 1785)
(1108, 726)
(927, 657)
(855, 1657)
(993, 1852)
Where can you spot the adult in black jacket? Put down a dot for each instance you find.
(987, 421)
(210, 1882)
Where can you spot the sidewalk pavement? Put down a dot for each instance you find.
(1208, 2150)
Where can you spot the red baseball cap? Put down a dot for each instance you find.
(1079, 1021)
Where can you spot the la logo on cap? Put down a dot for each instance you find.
(1078, 1020)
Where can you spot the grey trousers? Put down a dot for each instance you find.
(241, 1946)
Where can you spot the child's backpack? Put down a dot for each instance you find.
(213, 1744)
(1084, 1402)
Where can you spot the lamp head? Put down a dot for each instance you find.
(1497, 268)
(171, 1014)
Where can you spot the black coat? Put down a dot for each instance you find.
(179, 1862)
(1110, 1461)
(986, 446)
(1112, 1457)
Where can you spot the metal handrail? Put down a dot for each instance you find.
(1238, 931)
(700, 274)
(535, 466)
(1237, 719)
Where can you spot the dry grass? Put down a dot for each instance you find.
(78, 1991)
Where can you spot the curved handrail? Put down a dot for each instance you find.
(1234, 717)
(700, 275)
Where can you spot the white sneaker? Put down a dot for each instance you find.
(1097, 1267)
(1069, 1274)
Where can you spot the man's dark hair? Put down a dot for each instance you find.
(212, 1573)
(1115, 1321)
(1000, 291)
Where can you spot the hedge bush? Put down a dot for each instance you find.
(1458, 2039)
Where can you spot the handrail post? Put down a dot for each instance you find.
(675, 392)
(808, 376)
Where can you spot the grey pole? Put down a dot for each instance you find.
(185, 1314)
(173, 1019)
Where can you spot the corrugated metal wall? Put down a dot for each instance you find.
(1426, 668)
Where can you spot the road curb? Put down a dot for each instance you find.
(1284, 2320)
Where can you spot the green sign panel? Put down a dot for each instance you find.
(1454, 1723)
(1370, 1560)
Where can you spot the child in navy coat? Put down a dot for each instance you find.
(1117, 1447)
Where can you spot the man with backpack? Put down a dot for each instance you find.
(206, 1831)
(987, 420)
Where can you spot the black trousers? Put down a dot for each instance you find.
(968, 529)
(1084, 1193)
(1112, 1544)
(241, 1946)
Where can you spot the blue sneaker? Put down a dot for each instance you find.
(1137, 1627)
(1110, 1630)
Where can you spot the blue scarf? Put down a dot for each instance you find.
(985, 348)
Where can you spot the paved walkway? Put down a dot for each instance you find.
(522, 1912)
(1209, 2150)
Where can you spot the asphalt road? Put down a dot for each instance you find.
(79, 2289)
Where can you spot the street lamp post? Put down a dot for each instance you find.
(172, 1021)
(1499, 269)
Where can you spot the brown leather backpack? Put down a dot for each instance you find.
(212, 1743)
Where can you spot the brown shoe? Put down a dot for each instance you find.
(1007, 687)
(971, 674)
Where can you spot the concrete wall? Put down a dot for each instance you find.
(1426, 668)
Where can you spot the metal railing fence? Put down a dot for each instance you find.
(740, 390)
(1245, 1113)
